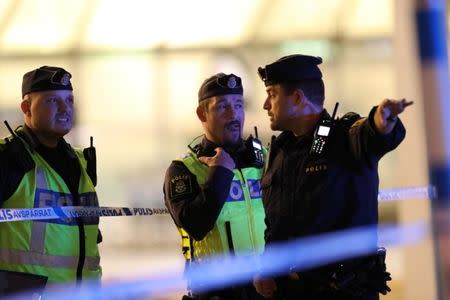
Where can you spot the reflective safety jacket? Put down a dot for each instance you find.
(239, 228)
(50, 248)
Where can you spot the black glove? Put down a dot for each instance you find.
(360, 278)
(377, 274)
(348, 282)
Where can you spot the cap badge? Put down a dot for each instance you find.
(65, 80)
(232, 82)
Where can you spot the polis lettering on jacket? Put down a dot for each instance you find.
(316, 168)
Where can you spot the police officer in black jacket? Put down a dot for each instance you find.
(321, 177)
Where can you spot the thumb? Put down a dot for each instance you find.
(219, 150)
(204, 159)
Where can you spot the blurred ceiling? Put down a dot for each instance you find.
(62, 26)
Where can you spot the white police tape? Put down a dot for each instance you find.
(422, 192)
(68, 212)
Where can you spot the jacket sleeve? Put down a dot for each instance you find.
(3, 177)
(366, 143)
(11, 173)
(193, 208)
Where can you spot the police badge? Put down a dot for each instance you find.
(65, 80)
(180, 185)
(231, 82)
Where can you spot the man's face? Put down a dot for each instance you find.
(224, 119)
(279, 107)
(49, 113)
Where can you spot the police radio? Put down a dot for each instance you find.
(322, 133)
(91, 159)
(254, 150)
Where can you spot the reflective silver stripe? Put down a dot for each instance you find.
(49, 261)
(38, 228)
(41, 181)
(38, 236)
(92, 263)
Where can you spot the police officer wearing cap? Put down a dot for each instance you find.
(213, 190)
(322, 177)
(38, 169)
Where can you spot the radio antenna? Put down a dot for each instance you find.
(9, 128)
(335, 110)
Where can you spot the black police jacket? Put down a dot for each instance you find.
(15, 162)
(306, 194)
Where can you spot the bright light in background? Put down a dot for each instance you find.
(143, 24)
(205, 21)
(4, 8)
(328, 18)
(186, 75)
(126, 24)
(322, 48)
(53, 26)
(44, 25)
(368, 18)
(122, 90)
(304, 17)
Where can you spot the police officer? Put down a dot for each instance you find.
(38, 168)
(213, 190)
(321, 177)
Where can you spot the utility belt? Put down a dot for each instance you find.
(348, 279)
(208, 297)
(246, 291)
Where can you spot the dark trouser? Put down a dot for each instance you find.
(292, 289)
(16, 282)
(244, 292)
(360, 278)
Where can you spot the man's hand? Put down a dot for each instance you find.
(222, 158)
(386, 115)
(266, 287)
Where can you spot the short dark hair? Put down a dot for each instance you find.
(204, 104)
(313, 89)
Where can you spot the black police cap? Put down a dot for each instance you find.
(220, 84)
(291, 68)
(46, 78)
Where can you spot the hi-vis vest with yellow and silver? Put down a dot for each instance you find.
(49, 247)
(243, 209)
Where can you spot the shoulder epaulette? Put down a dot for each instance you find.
(349, 119)
(15, 150)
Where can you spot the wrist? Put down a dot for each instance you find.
(392, 118)
(229, 166)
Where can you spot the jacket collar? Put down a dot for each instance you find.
(286, 136)
(33, 142)
(206, 148)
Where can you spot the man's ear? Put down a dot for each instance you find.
(298, 97)
(201, 114)
(25, 106)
